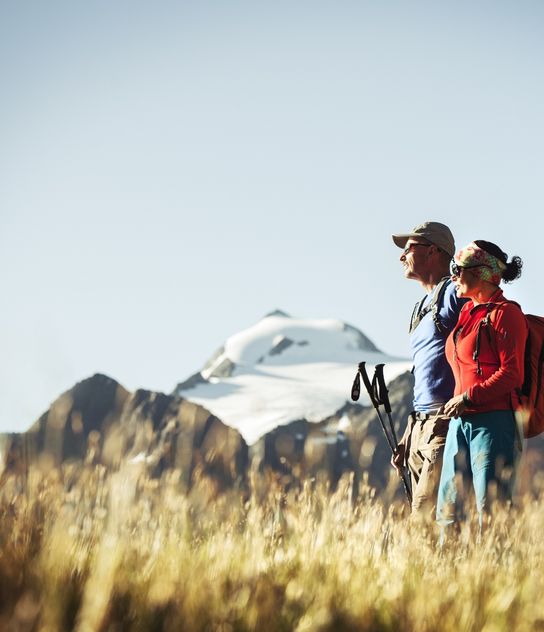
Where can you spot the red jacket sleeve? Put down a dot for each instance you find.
(508, 329)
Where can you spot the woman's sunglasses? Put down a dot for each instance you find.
(456, 269)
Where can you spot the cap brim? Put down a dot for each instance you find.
(400, 240)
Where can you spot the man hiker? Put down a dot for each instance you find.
(426, 255)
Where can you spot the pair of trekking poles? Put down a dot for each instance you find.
(379, 396)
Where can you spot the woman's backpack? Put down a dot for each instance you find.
(530, 405)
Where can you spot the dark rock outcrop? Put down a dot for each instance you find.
(278, 312)
(99, 421)
(283, 343)
(191, 382)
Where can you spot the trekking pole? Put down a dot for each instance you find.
(383, 397)
(372, 391)
(374, 400)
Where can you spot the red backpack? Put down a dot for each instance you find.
(529, 407)
(531, 394)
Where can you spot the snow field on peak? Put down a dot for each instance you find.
(313, 340)
(257, 399)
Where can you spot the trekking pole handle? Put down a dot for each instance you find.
(382, 388)
(382, 397)
(367, 383)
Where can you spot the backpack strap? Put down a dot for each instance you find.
(434, 306)
(484, 323)
(416, 315)
(437, 303)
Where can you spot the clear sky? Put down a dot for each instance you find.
(172, 171)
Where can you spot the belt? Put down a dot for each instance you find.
(422, 416)
(426, 416)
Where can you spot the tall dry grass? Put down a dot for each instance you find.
(83, 550)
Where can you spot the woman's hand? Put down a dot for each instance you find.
(455, 407)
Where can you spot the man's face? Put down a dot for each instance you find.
(415, 259)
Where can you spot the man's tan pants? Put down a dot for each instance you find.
(425, 440)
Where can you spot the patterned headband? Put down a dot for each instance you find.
(485, 265)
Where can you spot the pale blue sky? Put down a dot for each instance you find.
(172, 171)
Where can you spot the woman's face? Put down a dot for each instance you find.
(467, 283)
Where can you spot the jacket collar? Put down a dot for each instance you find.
(496, 298)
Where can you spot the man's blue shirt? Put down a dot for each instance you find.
(434, 383)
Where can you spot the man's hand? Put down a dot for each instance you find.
(455, 407)
(397, 460)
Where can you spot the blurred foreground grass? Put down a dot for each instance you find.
(84, 550)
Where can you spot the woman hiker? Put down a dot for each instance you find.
(486, 353)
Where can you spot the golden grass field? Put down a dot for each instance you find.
(83, 550)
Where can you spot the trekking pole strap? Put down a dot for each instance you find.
(356, 387)
(381, 388)
(368, 384)
(383, 397)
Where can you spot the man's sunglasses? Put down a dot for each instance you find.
(455, 269)
(409, 248)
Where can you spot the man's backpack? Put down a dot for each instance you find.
(434, 306)
(530, 405)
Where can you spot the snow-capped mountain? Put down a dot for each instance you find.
(284, 369)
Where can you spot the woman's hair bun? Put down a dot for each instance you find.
(513, 269)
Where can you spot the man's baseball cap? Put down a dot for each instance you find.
(434, 232)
